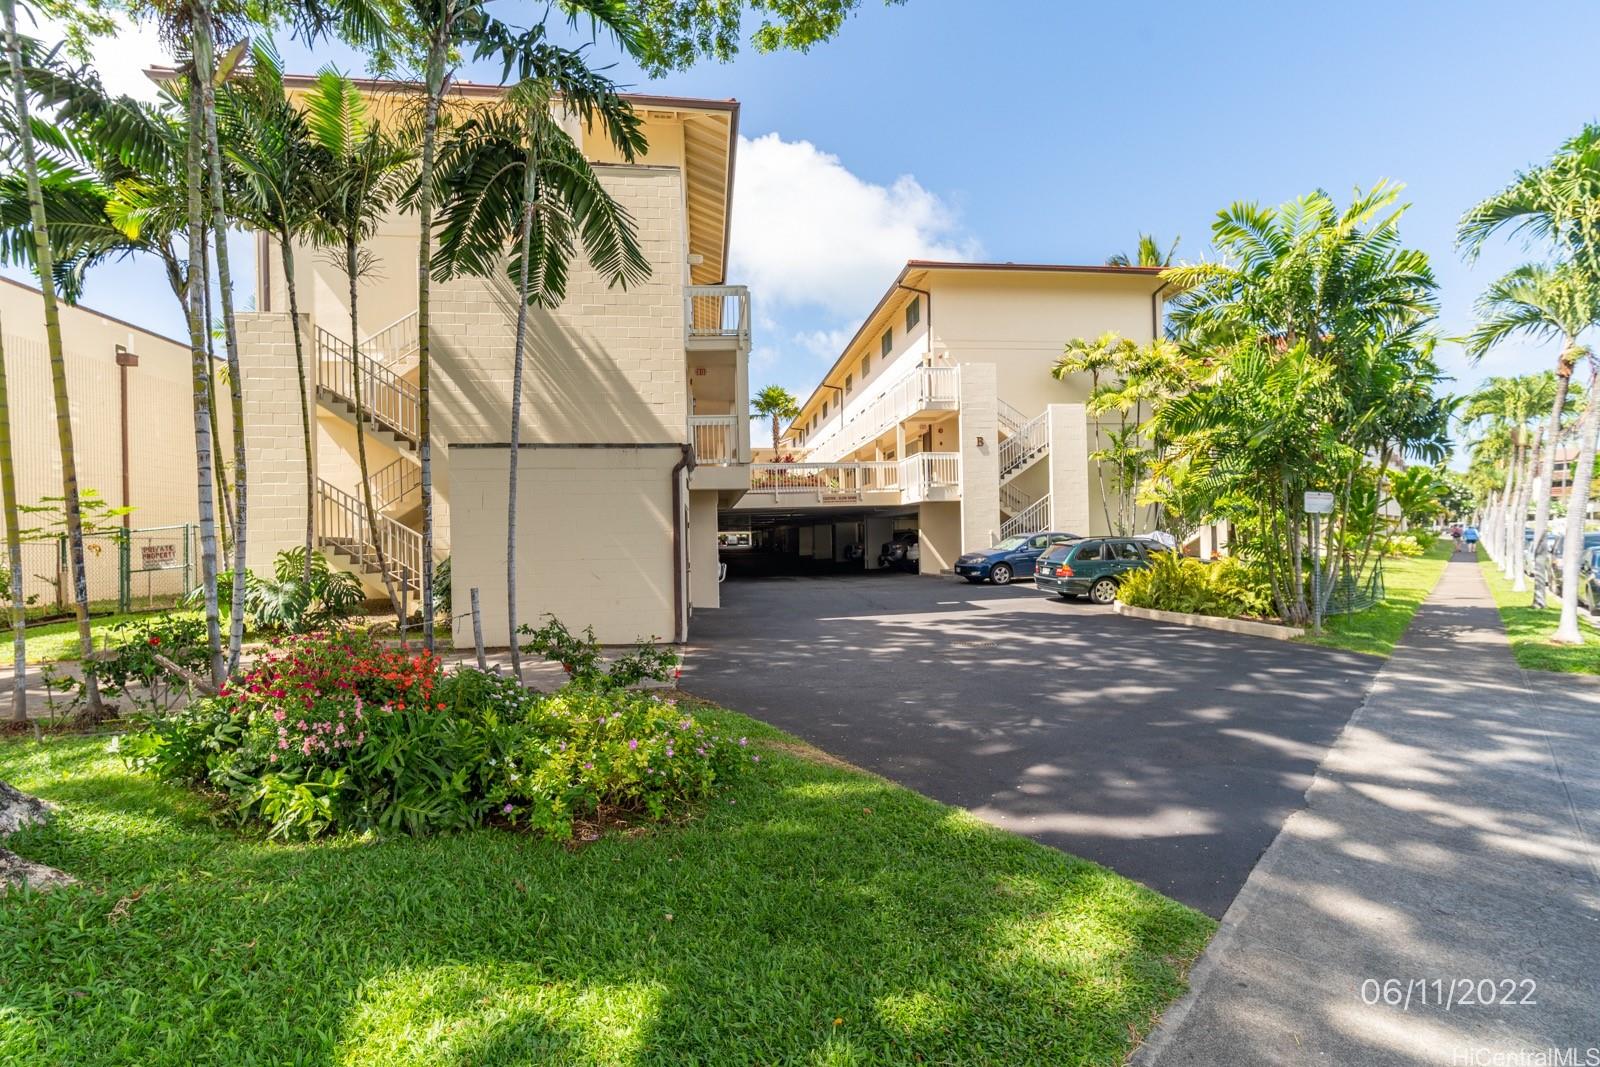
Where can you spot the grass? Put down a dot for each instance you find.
(1407, 581)
(53, 642)
(1529, 629)
(811, 914)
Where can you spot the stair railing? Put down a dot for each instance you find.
(387, 399)
(1031, 439)
(341, 520)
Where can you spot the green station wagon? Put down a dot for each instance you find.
(1093, 566)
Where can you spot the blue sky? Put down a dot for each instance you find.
(1056, 132)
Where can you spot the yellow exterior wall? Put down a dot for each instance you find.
(595, 540)
(160, 409)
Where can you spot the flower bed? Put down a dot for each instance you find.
(331, 732)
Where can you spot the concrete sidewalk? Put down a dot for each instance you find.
(1447, 852)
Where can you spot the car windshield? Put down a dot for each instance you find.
(1012, 542)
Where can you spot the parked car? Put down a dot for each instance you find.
(1589, 581)
(1554, 566)
(1094, 566)
(902, 551)
(1012, 558)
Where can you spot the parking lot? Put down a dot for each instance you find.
(1169, 754)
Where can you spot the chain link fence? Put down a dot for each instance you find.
(127, 570)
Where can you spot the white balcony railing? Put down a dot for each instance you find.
(911, 479)
(716, 439)
(712, 311)
(923, 389)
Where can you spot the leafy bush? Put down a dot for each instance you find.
(581, 657)
(332, 732)
(1172, 582)
(131, 668)
(286, 602)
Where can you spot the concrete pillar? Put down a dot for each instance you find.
(939, 534)
(979, 432)
(1069, 470)
(274, 450)
(879, 528)
(704, 592)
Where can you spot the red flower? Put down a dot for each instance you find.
(154, 641)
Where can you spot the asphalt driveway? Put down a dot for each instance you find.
(1169, 754)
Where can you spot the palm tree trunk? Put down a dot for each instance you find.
(1508, 503)
(94, 710)
(205, 59)
(524, 241)
(19, 610)
(1519, 582)
(777, 428)
(203, 417)
(305, 402)
(352, 264)
(438, 47)
(1552, 440)
(219, 463)
(1567, 632)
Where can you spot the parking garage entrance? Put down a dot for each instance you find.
(797, 542)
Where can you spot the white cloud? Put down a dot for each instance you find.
(809, 233)
(120, 59)
(826, 344)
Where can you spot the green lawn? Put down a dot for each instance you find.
(814, 914)
(54, 641)
(1529, 629)
(1407, 582)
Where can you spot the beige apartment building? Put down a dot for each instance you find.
(132, 403)
(634, 426)
(941, 414)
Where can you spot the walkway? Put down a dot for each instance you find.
(1450, 837)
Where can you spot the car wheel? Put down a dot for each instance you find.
(1103, 591)
(1000, 574)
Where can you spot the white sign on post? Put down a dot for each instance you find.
(1319, 503)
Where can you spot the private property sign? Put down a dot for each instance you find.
(1319, 503)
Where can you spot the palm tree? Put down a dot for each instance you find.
(446, 29)
(1541, 302)
(513, 173)
(1567, 631)
(1319, 323)
(278, 173)
(1557, 202)
(1509, 406)
(1149, 254)
(776, 403)
(22, 129)
(19, 612)
(363, 173)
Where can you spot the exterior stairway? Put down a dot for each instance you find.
(390, 412)
(390, 406)
(1023, 442)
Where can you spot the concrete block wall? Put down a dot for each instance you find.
(594, 539)
(1069, 470)
(704, 589)
(979, 445)
(274, 449)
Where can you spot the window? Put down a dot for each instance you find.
(887, 344)
(866, 367)
(824, 409)
(1089, 550)
(1039, 542)
(849, 384)
(1127, 550)
(913, 312)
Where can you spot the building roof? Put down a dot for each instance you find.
(34, 289)
(923, 267)
(711, 139)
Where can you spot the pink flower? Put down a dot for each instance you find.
(632, 744)
(278, 715)
(283, 742)
(506, 810)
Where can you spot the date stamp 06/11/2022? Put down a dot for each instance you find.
(1449, 994)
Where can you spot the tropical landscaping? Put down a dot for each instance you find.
(278, 828)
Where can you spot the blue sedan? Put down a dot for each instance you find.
(1012, 558)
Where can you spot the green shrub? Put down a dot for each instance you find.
(130, 668)
(581, 657)
(286, 602)
(332, 732)
(1225, 587)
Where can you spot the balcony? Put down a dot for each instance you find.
(716, 316)
(924, 389)
(924, 476)
(716, 440)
